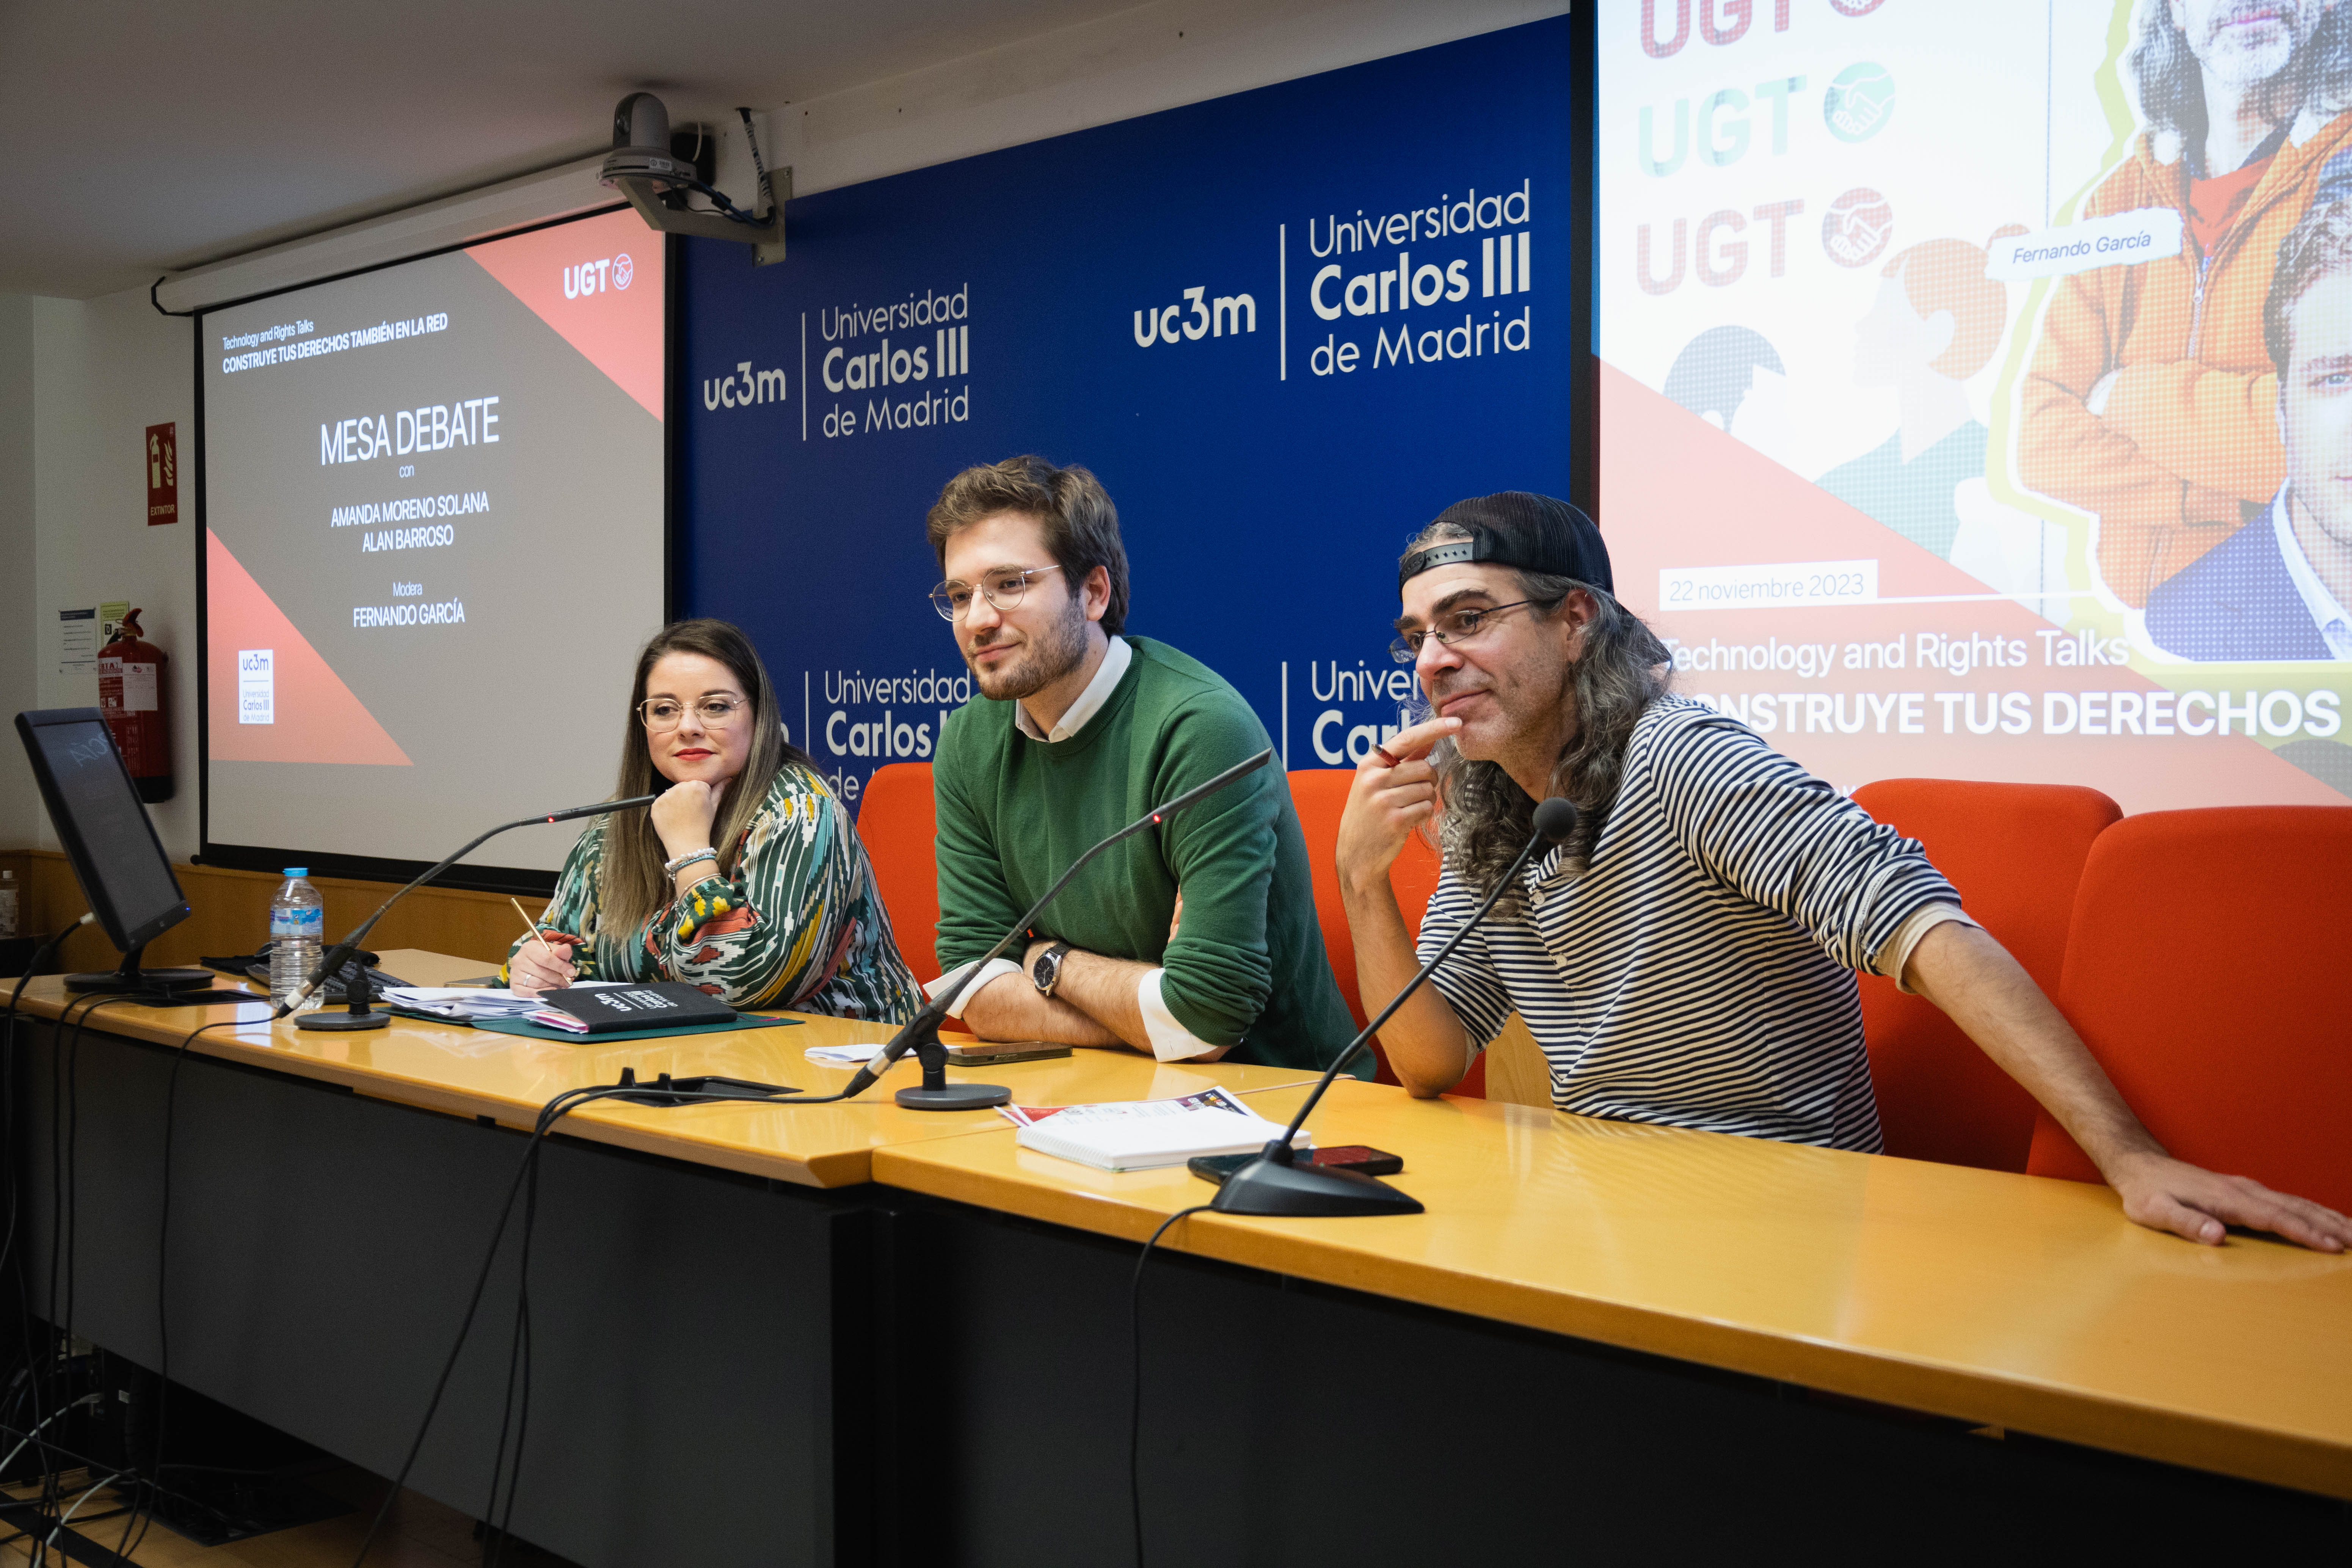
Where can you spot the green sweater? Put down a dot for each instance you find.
(1247, 970)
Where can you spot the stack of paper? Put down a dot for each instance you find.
(1147, 1134)
(461, 1004)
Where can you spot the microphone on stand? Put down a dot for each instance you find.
(1275, 1183)
(359, 1017)
(921, 1034)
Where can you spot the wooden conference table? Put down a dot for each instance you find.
(854, 1332)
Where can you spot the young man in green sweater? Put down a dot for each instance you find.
(1190, 943)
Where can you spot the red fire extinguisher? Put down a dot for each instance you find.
(134, 694)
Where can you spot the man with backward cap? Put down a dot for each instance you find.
(1684, 959)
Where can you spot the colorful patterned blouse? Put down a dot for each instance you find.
(800, 925)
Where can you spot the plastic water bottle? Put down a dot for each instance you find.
(297, 926)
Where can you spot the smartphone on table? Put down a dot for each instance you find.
(1360, 1158)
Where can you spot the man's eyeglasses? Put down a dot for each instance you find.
(1453, 626)
(1002, 589)
(663, 714)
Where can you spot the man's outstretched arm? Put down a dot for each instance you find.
(1989, 994)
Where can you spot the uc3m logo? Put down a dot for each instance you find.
(744, 388)
(1234, 313)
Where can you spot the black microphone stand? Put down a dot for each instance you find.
(1275, 1183)
(921, 1034)
(359, 1016)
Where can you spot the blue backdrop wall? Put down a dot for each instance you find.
(1286, 327)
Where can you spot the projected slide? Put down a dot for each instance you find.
(433, 538)
(1943, 426)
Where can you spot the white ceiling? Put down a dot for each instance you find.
(153, 137)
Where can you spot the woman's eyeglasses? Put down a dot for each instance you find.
(662, 714)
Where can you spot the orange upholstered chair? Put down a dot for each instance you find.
(2205, 969)
(2015, 852)
(1321, 794)
(898, 820)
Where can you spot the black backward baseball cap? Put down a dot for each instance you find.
(1518, 528)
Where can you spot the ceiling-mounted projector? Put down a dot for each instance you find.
(643, 167)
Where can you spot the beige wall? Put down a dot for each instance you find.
(1138, 61)
(104, 370)
(19, 806)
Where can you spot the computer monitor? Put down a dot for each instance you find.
(120, 864)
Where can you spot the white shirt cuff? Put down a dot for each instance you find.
(988, 972)
(1170, 1041)
(1895, 955)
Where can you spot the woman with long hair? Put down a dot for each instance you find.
(745, 878)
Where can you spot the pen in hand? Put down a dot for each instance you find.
(531, 929)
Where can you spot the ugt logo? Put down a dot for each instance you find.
(596, 277)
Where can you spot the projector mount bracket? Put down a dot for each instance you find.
(643, 168)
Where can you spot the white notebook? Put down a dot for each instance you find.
(1148, 1134)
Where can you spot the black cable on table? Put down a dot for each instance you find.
(1135, 1401)
(522, 1344)
(505, 1421)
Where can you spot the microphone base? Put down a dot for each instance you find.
(1265, 1187)
(340, 1021)
(955, 1096)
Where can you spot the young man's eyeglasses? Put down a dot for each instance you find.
(1002, 589)
(1453, 626)
(663, 714)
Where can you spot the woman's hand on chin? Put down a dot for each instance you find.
(684, 814)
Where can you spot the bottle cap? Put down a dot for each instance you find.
(298, 870)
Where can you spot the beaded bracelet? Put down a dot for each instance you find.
(672, 868)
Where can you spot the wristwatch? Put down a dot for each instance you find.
(1046, 972)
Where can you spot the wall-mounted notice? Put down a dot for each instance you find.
(1286, 327)
(163, 475)
(1969, 304)
(77, 641)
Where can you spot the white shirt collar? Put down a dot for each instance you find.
(2334, 623)
(1091, 701)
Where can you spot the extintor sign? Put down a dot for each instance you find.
(163, 475)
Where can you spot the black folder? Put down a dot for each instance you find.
(607, 1009)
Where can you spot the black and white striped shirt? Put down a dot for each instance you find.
(1697, 972)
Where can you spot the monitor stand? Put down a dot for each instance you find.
(161, 987)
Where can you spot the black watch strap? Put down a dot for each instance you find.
(1046, 972)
